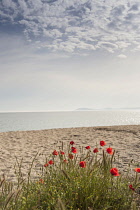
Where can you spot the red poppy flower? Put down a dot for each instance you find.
(82, 164)
(72, 142)
(114, 172)
(55, 152)
(71, 156)
(46, 165)
(51, 162)
(65, 161)
(137, 170)
(87, 147)
(109, 150)
(102, 143)
(131, 187)
(62, 153)
(74, 150)
(41, 181)
(95, 150)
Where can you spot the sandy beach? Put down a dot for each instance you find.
(26, 144)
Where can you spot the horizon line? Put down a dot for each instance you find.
(79, 109)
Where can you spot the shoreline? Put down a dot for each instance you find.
(114, 127)
(125, 139)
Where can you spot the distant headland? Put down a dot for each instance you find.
(91, 109)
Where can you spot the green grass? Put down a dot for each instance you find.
(66, 185)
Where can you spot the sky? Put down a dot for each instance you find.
(67, 54)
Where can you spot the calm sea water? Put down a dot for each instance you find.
(48, 120)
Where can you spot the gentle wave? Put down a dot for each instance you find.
(49, 120)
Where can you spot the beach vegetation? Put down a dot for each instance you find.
(74, 178)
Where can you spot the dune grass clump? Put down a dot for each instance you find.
(74, 179)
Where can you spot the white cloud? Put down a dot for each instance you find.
(9, 4)
(78, 24)
(122, 56)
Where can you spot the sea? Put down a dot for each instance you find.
(23, 121)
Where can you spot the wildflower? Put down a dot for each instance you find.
(65, 161)
(51, 162)
(109, 150)
(131, 187)
(74, 150)
(102, 143)
(41, 181)
(114, 172)
(72, 142)
(62, 153)
(46, 165)
(55, 152)
(87, 147)
(71, 156)
(95, 150)
(137, 170)
(82, 164)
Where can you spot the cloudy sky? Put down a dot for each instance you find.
(66, 54)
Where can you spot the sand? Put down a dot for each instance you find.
(26, 144)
